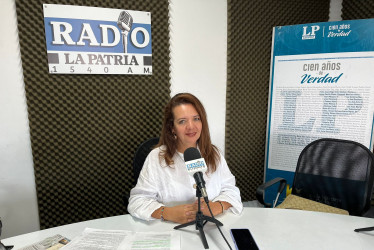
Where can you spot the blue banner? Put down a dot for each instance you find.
(320, 87)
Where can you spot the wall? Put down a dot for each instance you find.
(335, 10)
(198, 57)
(18, 208)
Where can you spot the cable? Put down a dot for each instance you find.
(207, 203)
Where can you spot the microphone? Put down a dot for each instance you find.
(124, 23)
(196, 166)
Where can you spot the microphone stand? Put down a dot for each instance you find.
(200, 221)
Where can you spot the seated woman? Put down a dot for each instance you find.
(164, 189)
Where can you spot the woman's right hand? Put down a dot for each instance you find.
(180, 214)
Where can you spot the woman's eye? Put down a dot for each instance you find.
(197, 118)
(181, 122)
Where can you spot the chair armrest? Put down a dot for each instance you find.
(260, 192)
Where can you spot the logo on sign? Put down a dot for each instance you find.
(90, 40)
(91, 35)
(195, 165)
(310, 32)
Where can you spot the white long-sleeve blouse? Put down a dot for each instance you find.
(161, 185)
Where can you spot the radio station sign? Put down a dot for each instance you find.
(91, 40)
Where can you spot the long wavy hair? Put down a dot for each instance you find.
(208, 151)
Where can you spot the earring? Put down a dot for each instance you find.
(175, 136)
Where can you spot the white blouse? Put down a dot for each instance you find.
(160, 185)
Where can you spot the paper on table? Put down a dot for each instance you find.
(152, 240)
(95, 239)
(54, 242)
(98, 239)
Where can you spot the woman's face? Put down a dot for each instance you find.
(187, 126)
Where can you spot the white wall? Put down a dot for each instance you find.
(198, 34)
(335, 10)
(18, 208)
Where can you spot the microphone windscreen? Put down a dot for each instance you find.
(191, 154)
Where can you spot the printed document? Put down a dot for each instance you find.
(96, 239)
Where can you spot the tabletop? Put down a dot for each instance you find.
(271, 228)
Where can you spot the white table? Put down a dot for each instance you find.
(271, 228)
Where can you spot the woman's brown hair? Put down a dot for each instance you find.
(208, 151)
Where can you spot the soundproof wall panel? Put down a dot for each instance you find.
(353, 9)
(85, 128)
(250, 26)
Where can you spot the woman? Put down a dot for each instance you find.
(164, 189)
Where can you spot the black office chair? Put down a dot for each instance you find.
(140, 155)
(338, 173)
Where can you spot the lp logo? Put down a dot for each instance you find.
(311, 34)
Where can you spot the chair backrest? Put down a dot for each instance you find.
(141, 154)
(335, 172)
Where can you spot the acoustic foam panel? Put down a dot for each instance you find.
(353, 9)
(85, 128)
(250, 26)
